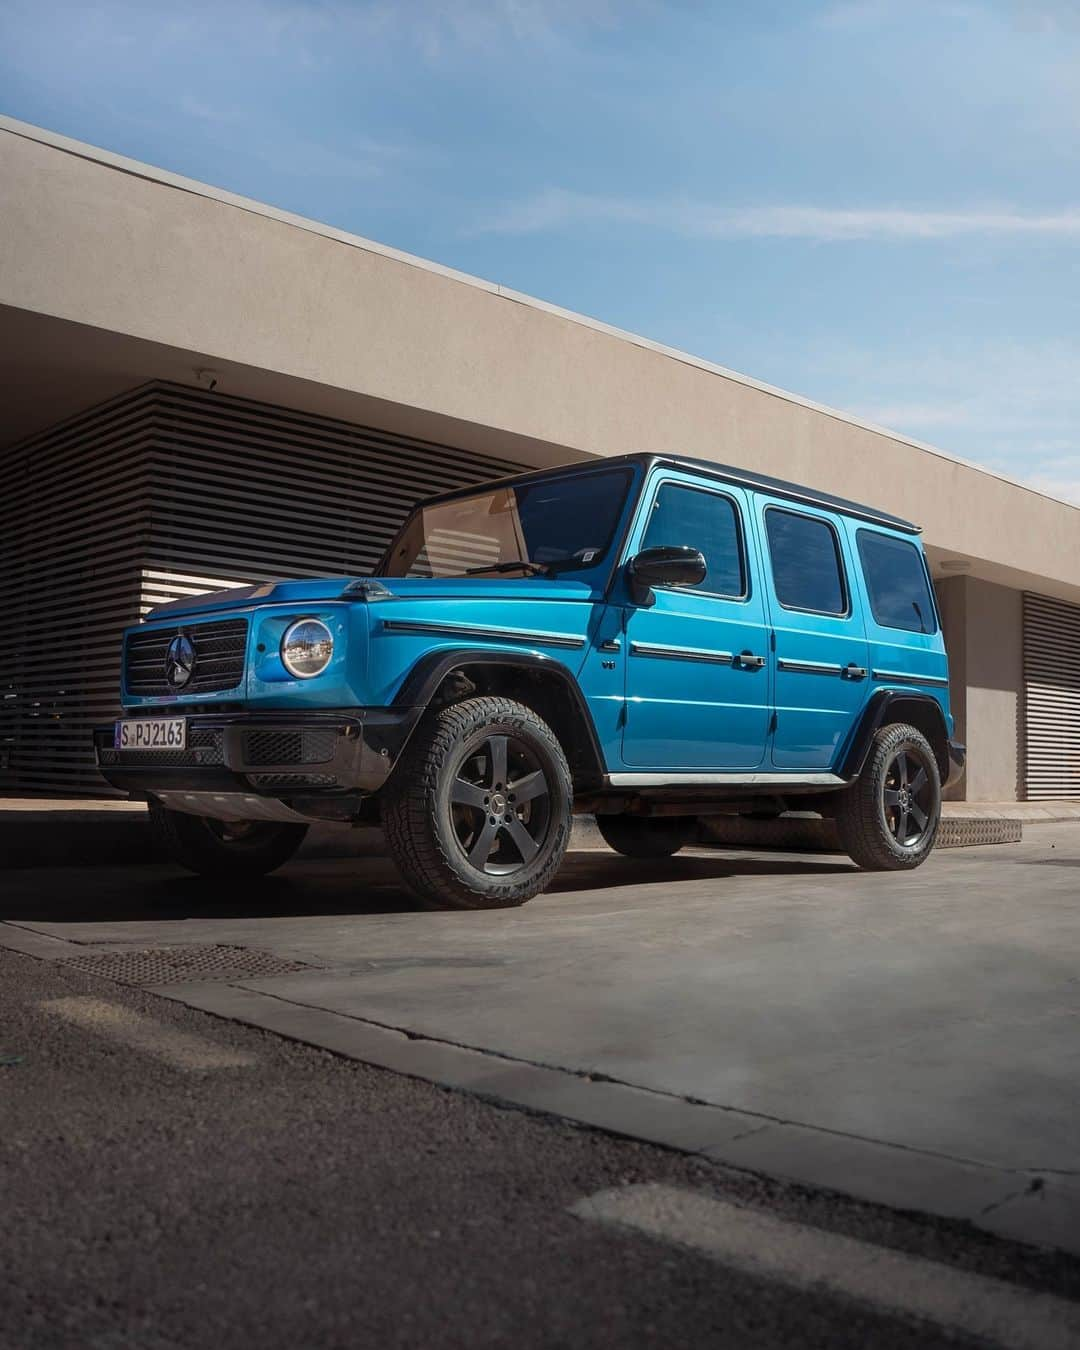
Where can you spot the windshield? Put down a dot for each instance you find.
(550, 525)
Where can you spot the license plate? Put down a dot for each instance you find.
(151, 733)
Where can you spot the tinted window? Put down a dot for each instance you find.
(805, 563)
(702, 520)
(562, 524)
(896, 581)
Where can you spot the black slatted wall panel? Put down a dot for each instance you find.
(74, 518)
(164, 492)
(1051, 698)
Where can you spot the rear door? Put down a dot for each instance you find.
(821, 653)
(697, 679)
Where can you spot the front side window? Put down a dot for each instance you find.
(806, 567)
(896, 582)
(547, 526)
(703, 520)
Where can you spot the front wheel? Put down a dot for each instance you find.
(888, 818)
(224, 848)
(477, 812)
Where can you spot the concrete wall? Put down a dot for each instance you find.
(983, 626)
(121, 249)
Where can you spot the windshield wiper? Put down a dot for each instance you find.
(512, 565)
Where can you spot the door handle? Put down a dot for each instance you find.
(854, 672)
(750, 661)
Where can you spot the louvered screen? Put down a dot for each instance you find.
(165, 492)
(1051, 698)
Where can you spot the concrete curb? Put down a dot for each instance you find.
(1021, 1206)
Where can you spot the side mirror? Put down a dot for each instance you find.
(668, 565)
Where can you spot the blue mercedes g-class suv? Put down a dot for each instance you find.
(648, 638)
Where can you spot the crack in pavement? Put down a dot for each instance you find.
(1034, 1186)
(590, 1076)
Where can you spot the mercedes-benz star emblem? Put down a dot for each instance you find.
(179, 661)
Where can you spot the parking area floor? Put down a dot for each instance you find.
(912, 1039)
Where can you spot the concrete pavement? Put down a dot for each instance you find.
(908, 1039)
(252, 1191)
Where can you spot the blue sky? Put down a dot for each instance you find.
(873, 203)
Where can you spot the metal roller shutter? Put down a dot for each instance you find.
(1051, 698)
(163, 492)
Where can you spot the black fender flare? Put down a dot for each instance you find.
(890, 705)
(426, 678)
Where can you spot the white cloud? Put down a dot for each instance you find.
(436, 28)
(557, 208)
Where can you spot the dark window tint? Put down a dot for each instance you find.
(564, 523)
(896, 580)
(805, 563)
(702, 520)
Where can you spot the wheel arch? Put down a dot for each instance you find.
(886, 706)
(539, 682)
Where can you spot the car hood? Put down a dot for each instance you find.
(321, 589)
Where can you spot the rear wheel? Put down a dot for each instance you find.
(477, 813)
(888, 818)
(647, 836)
(224, 848)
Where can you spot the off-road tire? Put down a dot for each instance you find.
(202, 845)
(647, 836)
(862, 821)
(417, 811)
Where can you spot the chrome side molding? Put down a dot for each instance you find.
(482, 632)
(905, 677)
(681, 653)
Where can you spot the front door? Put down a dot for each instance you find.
(697, 677)
(821, 647)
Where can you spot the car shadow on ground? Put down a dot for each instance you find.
(332, 886)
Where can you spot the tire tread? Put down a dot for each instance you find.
(858, 821)
(407, 806)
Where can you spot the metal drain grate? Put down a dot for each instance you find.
(176, 965)
(967, 831)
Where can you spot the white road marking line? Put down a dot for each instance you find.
(811, 1258)
(178, 1048)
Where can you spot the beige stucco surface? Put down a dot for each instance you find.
(984, 631)
(89, 244)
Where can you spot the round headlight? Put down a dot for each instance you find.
(306, 648)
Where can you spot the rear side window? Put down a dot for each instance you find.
(706, 521)
(806, 567)
(896, 582)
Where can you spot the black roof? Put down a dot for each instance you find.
(777, 487)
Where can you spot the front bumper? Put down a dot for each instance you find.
(280, 755)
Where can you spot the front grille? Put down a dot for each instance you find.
(309, 745)
(219, 658)
(205, 746)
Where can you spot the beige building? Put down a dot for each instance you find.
(200, 390)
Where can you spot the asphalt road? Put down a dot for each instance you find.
(173, 1180)
(907, 1038)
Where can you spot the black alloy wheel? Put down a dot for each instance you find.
(477, 811)
(501, 805)
(888, 818)
(907, 798)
